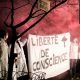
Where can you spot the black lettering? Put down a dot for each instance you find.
(38, 65)
(32, 42)
(52, 40)
(50, 62)
(45, 41)
(47, 63)
(42, 53)
(40, 41)
(56, 39)
(48, 40)
(46, 51)
(56, 60)
(63, 57)
(43, 64)
(53, 59)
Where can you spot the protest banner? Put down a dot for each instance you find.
(48, 55)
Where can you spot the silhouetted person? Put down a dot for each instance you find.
(3, 54)
(20, 66)
(74, 57)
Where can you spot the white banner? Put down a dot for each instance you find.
(48, 55)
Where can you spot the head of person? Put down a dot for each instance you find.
(4, 34)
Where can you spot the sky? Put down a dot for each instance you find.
(64, 18)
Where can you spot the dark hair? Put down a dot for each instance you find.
(3, 33)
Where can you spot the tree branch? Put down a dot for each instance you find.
(5, 7)
(37, 15)
(11, 58)
(41, 18)
(28, 18)
(33, 6)
(20, 6)
(36, 11)
(6, 24)
(7, 16)
(23, 22)
(12, 13)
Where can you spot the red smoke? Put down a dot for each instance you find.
(64, 18)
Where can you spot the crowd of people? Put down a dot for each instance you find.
(19, 65)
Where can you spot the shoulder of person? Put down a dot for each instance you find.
(2, 41)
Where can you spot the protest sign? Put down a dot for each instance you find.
(48, 55)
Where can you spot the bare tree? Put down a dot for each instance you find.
(34, 12)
